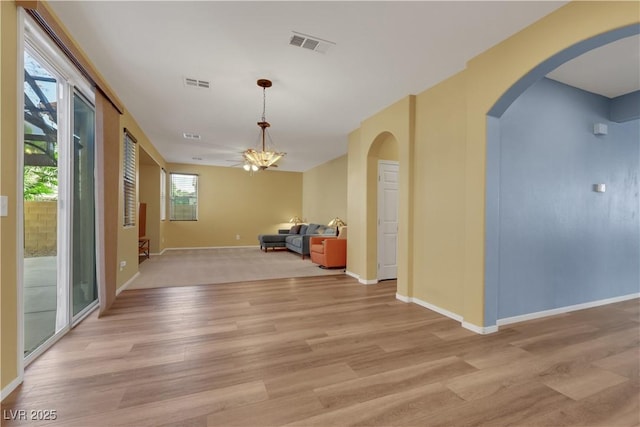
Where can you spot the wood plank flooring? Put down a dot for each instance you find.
(327, 351)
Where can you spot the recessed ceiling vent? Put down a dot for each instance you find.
(188, 135)
(310, 42)
(202, 84)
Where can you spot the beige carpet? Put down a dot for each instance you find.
(224, 265)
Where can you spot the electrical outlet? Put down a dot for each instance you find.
(237, 237)
(123, 264)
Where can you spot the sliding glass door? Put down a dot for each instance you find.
(85, 290)
(59, 280)
(44, 295)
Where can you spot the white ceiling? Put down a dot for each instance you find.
(383, 51)
(611, 70)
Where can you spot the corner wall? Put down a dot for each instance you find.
(324, 192)
(9, 362)
(439, 194)
(128, 236)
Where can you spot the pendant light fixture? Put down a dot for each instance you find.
(255, 160)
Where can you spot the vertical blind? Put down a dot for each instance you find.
(129, 175)
(183, 204)
(163, 195)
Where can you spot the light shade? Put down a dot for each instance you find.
(261, 159)
(295, 220)
(336, 222)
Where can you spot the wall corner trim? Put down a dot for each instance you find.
(403, 298)
(482, 330)
(11, 387)
(439, 310)
(351, 274)
(127, 283)
(362, 281)
(566, 309)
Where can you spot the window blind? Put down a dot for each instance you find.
(183, 204)
(129, 179)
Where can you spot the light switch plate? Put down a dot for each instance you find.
(4, 206)
(599, 188)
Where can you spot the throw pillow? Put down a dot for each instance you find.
(295, 229)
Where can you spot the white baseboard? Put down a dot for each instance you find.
(127, 283)
(10, 387)
(210, 247)
(566, 309)
(440, 310)
(482, 330)
(403, 298)
(158, 253)
(362, 281)
(354, 275)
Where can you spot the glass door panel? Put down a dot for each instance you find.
(44, 296)
(84, 290)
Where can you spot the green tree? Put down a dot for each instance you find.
(40, 182)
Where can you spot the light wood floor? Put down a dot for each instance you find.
(328, 351)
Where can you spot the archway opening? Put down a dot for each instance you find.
(383, 152)
(553, 242)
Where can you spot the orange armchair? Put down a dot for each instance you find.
(329, 252)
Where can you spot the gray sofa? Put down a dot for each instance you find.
(297, 240)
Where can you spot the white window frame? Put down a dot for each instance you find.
(171, 197)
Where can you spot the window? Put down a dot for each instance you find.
(163, 195)
(184, 197)
(129, 172)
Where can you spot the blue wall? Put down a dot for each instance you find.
(561, 243)
(625, 107)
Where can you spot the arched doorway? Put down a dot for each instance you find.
(541, 214)
(383, 207)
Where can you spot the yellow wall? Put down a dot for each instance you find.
(149, 193)
(128, 236)
(444, 206)
(8, 175)
(232, 202)
(324, 192)
(438, 196)
(394, 122)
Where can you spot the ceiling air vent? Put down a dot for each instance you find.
(188, 135)
(203, 84)
(310, 42)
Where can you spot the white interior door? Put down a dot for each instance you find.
(387, 220)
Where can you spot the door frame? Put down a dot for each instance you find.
(30, 34)
(380, 207)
